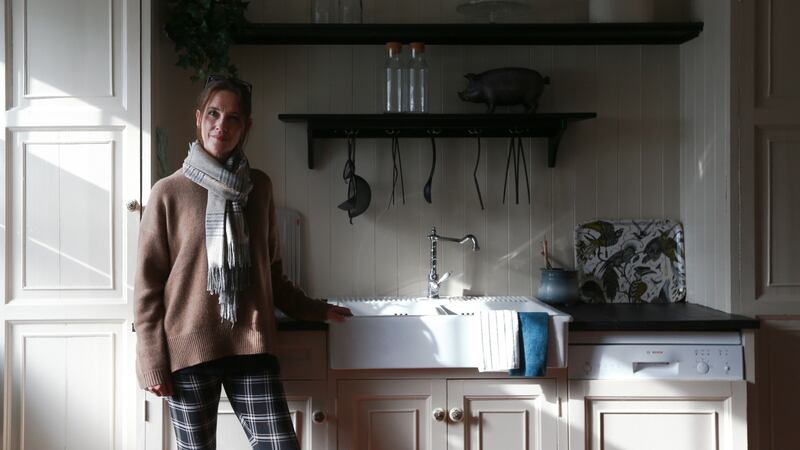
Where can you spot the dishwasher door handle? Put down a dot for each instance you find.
(655, 367)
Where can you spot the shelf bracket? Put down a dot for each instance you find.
(553, 143)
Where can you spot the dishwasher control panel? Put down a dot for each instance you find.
(654, 361)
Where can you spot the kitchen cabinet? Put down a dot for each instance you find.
(438, 414)
(657, 415)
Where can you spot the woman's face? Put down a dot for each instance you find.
(222, 125)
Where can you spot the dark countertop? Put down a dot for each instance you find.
(654, 317)
(616, 317)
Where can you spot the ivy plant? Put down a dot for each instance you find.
(202, 31)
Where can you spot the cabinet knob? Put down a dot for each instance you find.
(456, 414)
(133, 205)
(438, 414)
(318, 416)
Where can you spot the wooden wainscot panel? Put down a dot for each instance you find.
(774, 398)
(777, 278)
(302, 355)
(657, 415)
(777, 67)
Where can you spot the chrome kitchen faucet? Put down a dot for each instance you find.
(433, 277)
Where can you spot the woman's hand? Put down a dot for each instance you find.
(337, 313)
(161, 390)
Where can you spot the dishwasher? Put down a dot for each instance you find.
(643, 355)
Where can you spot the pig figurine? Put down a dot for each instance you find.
(505, 86)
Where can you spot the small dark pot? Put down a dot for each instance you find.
(558, 286)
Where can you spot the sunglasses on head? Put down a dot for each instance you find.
(247, 86)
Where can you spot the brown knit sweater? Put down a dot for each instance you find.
(177, 321)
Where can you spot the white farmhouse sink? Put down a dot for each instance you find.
(422, 333)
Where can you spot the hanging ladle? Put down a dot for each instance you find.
(426, 191)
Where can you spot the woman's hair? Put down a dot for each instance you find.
(238, 87)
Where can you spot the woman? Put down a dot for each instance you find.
(208, 278)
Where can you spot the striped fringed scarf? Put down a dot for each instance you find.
(227, 241)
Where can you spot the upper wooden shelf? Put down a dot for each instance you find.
(471, 34)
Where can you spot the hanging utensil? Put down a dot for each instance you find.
(359, 193)
(426, 191)
(397, 170)
(347, 175)
(477, 162)
(521, 151)
(508, 165)
(516, 171)
(516, 153)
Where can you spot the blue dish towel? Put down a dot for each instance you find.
(533, 331)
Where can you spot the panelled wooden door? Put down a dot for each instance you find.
(391, 414)
(478, 414)
(70, 162)
(503, 414)
(631, 415)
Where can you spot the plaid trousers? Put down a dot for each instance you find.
(258, 401)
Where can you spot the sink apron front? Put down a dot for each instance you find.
(408, 333)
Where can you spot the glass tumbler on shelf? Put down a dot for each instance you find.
(321, 11)
(350, 11)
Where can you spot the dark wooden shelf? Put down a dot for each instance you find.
(470, 34)
(551, 126)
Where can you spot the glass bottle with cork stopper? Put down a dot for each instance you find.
(393, 79)
(418, 80)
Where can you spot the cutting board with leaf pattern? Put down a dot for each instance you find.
(631, 261)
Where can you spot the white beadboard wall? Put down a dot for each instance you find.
(623, 164)
(705, 135)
